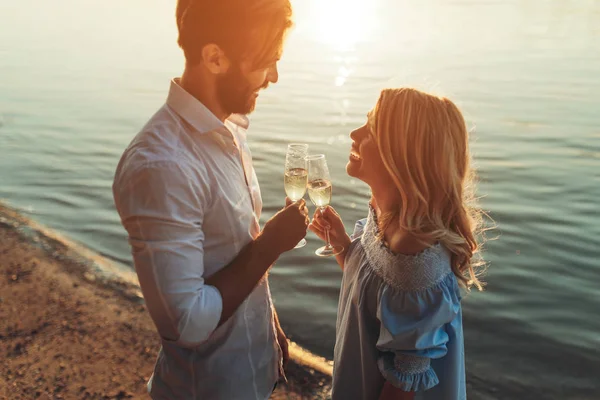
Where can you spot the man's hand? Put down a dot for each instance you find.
(283, 344)
(285, 229)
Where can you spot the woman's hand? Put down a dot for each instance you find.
(389, 392)
(332, 220)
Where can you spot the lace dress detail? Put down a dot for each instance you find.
(405, 272)
(407, 364)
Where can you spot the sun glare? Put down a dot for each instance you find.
(341, 23)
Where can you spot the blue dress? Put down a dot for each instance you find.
(400, 320)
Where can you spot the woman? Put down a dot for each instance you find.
(399, 326)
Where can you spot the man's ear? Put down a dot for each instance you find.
(215, 59)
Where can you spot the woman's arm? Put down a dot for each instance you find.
(390, 392)
(341, 257)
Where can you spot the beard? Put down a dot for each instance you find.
(234, 93)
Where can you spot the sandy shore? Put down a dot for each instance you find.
(69, 332)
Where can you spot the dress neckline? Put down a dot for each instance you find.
(403, 271)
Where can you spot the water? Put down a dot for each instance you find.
(78, 80)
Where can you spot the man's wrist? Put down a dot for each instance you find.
(264, 250)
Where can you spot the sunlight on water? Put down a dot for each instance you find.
(80, 78)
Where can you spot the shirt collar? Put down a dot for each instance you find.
(195, 113)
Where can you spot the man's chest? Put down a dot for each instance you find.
(232, 214)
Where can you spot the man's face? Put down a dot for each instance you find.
(238, 88)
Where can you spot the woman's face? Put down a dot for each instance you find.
(365, 161)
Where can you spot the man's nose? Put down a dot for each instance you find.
(273, 76)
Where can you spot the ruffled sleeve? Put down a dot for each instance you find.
(359, 228)
(413, 331)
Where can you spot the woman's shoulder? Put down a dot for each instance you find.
(400, 242)
(416, 272)
(407, 272)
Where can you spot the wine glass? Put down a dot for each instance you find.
(319, 191)
(296, 175)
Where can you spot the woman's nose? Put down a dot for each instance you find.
(357, 134)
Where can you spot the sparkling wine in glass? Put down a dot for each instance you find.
(296, 175)
(319, 191)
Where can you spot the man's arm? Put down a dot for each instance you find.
(164, 218)
(281, 233)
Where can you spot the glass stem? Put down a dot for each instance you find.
(328, 246)
(328, 242)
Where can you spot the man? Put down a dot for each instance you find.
(187, 194)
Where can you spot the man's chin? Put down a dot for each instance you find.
(244, 109)
(249, 107)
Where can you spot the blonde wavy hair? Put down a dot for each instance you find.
(423, 141)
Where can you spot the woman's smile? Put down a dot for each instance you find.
(354, 156)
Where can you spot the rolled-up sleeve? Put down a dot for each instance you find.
(162, 207)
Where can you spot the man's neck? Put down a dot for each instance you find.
(204, 91)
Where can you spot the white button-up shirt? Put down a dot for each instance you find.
(188, 196)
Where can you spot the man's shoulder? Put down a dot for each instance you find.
(164, 138)
(160, 143)
(162, 133)
(142, 167)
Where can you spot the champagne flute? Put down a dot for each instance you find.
(296, 175)
(319, 191)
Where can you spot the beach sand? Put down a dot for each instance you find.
(67, 332)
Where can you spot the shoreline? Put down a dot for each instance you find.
(73, 325)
